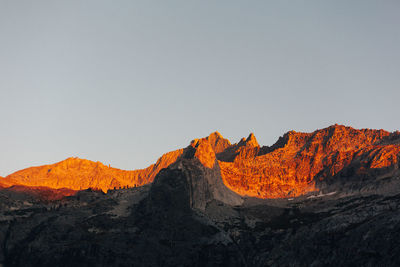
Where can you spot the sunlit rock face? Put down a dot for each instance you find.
(292, 166)
(203, 151)
(79, 174)
(298, 163)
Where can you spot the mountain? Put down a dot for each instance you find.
(80, 174)
(297, 164)
(346, 214)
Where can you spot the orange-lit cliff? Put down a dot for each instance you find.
(291, 167)
(296, 161)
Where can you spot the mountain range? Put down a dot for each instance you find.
(298, 163)
(326, 198)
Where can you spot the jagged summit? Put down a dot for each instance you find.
(250, 141)
(215, 134)
(217, 142)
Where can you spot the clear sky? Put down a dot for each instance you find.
(122, 82)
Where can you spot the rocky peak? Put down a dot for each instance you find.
(218, 142)
(215, 135)
(250, 141)
(190, 183)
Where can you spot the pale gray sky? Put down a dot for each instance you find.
(122, 82)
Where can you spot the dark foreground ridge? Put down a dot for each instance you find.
(189, 217)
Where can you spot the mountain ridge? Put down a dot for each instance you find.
(293, 166)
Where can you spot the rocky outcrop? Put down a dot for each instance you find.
(193, 181)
